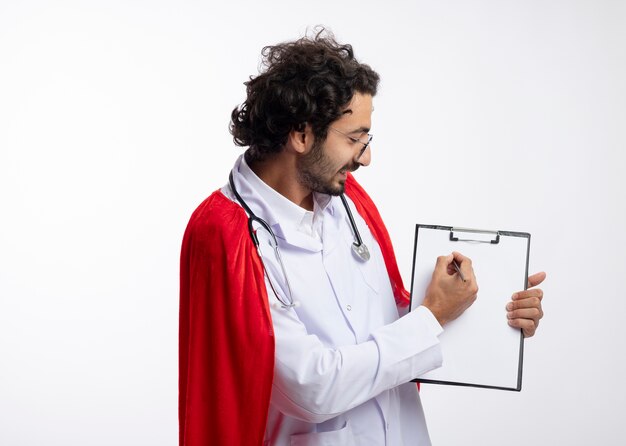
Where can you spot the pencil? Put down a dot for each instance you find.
(458, 270)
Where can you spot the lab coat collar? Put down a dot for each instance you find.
(284, 216)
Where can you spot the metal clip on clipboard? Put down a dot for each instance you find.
(477, 236)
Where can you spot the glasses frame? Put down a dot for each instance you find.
(355, 140)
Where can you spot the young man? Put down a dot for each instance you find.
(299, 341)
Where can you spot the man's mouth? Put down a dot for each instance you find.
(351, 168)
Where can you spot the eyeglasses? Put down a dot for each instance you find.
(355, 140)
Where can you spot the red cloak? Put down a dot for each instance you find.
(226, 338)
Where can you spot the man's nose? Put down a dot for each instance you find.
(366, 157)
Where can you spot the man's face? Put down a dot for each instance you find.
(325, 167)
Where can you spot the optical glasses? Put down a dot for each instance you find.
(355, 140)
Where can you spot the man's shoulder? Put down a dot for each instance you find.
(216, 217)
(214, 209)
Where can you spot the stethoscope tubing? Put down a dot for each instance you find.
(358, 246)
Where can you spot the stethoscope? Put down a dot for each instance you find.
(358, 247)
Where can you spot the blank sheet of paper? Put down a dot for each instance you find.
(479, 348)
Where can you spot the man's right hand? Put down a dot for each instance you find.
(448, 295)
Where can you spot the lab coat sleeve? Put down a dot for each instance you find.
(315, 383)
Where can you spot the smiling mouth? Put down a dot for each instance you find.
(344, 170)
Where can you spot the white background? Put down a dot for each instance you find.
(113, 127)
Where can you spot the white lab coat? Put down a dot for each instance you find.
(343, 357)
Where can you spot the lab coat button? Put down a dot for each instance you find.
(349, 308)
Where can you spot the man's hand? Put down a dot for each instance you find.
(450, 293)
(524, 310)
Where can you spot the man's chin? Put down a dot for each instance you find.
(334, 188)
(339, 188)
(331, 186)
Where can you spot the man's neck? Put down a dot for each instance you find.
(280, 173)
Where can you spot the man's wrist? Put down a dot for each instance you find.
(432, 320)
(436, 314)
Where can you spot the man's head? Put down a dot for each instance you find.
(313, 83)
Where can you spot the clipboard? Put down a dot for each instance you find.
(479, 348)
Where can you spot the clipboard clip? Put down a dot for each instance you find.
(478, 236)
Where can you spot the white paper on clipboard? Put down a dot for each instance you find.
(479, 348)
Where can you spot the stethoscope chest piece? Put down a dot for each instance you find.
(358, 247)
(361, 251)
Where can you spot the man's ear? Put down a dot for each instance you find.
(301, 138)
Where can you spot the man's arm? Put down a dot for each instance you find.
(314, 383)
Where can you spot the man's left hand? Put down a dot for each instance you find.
(524, 310)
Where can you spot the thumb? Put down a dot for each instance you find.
(536, 279)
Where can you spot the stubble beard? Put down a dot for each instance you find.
(315, 171)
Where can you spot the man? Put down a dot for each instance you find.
(300, 341)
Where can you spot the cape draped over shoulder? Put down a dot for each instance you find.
(226, 338)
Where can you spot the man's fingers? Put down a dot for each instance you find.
(465, 264)
(443, 262)
(531, 302)
(522, 295)
(536, 279)
(528, 326)
(526, 313)
(460, 258)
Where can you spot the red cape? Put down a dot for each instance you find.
(226, 338)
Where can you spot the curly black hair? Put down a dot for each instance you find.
(309, 80)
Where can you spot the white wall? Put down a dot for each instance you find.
(113, 127)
